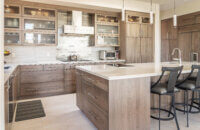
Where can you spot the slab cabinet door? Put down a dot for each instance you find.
(133, 50)
(133, 30)
(70, 79)
(147, 52)
(196, 43)
(185, 43)
(165, 50)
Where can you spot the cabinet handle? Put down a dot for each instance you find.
(89, 94)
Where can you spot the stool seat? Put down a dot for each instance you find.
(188, 85)
(162, 89)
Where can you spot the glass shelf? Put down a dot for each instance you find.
(37, 38)
(11, 23)
(39, 24)
(107, 41)
(12, 38)
(9, 9)
(134, 19)
(104, 29)
(39, 12)
(103, 18)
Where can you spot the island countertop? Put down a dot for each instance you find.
(138, 70)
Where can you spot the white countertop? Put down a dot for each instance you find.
(138, 70)
(13, 66)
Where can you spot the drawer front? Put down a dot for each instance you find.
(53, 67)
(96, 95)
(97, 81)
(99, 119)
(30, 68)
(27, 90)
(43, 76)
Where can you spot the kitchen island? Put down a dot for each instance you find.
(118, 98)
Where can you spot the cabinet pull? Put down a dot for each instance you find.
(89, 94)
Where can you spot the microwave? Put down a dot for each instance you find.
(107, 55)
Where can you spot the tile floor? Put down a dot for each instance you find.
(63, 114)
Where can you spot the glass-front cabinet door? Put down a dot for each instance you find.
(12, 38)
(105, 29)
(32, 24)
(11, 9)
(38, 12)
(12, 23)
(107, 41)
(39, 38)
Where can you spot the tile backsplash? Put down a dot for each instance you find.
(67, 45)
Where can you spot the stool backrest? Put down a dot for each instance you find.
(196, 67)
(174, 73)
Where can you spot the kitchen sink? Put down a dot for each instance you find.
(121, 65)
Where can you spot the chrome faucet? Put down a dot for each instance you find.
(179, 55)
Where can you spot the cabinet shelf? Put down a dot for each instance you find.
(107, 35)
(107, 23)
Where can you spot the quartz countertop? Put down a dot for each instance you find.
(13, 66)
(138, 70)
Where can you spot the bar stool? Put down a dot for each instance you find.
(190, 84)
(167, 89)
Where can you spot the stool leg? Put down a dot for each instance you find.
(184, 102)
(173, 99)
(170, 109)
(192, 101)
(187, 109)
(159, 109)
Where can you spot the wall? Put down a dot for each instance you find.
(186, 8)
(2, 121)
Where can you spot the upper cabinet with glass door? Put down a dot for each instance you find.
(34, 24)
(12, 10)
(39, 12)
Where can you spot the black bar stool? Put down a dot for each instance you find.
(169, 89)
(190, 84)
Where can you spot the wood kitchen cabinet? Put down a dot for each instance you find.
(196, 44)
(169, 39)
(70, 79)
(184, 40)
(6, 106)
(137, 44)
(41, 80)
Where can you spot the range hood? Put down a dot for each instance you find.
(76, 27)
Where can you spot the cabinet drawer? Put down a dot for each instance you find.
(96, 95)
(99, 119)
(30, 68)
(97, 81)
(53, 67)
(27, 90)
(43, 76)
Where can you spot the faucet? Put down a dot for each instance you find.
(179, 55)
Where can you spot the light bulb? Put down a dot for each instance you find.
(175, 20)
(151, 17)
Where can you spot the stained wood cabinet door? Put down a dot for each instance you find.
(70, 79)
(185, 43)
(196, 43)
(133, 30)
(186, 20)
(6, 106)
(173, 43)
(133, 50)
(147, 52)
(146, 30)
(165, 50)
(164, 29)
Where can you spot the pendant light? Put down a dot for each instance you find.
(151, 14)
(123, 11)
(174, 16)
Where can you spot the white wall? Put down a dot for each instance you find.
(186, 8)
(1, 65)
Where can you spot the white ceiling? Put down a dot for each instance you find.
(167, 4)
